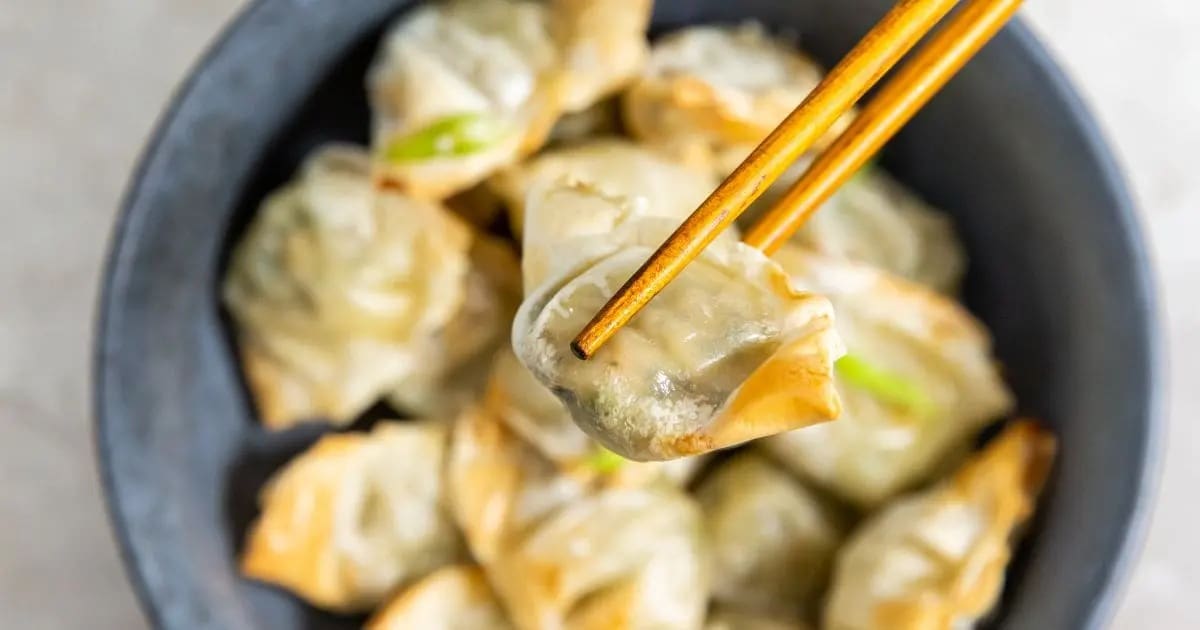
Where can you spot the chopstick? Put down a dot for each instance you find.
(895, 104)
(845, 84)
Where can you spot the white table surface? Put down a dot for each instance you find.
(82, 82)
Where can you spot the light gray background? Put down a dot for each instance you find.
(81, 83)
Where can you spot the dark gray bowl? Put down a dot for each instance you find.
(1058, 271)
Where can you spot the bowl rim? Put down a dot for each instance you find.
(1105, 596)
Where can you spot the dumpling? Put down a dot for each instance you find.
(621, 559)
(725, 619)
(355, 517)
(459, 89)
(452, 598)
(602, 44)
(877, 220)
(730, 351)
(500, 486)
(336, 286)
(457, 359)
(918, 383)
(526, 521)
(462, 88)
(616, 168)
(710, 94)
(773, 540)
(936, 560)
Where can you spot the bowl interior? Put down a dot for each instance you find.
(1057, 271)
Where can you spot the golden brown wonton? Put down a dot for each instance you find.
(936, 560)
(462, 88)
(356, 516)
(730, 351)
(911, 338)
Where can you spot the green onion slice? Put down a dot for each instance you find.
(889, 387)
(450, 136)
(605, 461)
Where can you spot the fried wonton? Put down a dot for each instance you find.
(356, 516)
(336, 288)
(620, 559)
(730, 351)
(875, 219)
(709, 94)
(918, 383)
(462, 88)
(773, 540)
(936, 560)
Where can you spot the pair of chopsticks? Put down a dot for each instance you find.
(895, 104)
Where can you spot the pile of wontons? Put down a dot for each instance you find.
(529, 490)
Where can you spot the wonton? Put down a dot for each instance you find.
(918, 383)
(356, 516)
(621, 559)
(875, 219)
(773, 540)
(462, 88)
(728, 352)
(457, 359)
(710, 94)
(936, 560)
(337, 286)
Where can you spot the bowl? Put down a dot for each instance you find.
(1058, 271)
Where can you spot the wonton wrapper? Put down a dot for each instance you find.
(773, 540)
(936, 560)
(622, 559)
(727, 353)
(335, 288)
(537, 416)
(725, 619)
(876, 450)
(877, 220)
(495, 58)
(355, 516)
(709, 94)
(456, 361)
(452, 598)
(614, 167)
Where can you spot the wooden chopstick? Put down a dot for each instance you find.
(896, 103)
(845, 84)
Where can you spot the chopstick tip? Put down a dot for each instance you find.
(579, 350)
